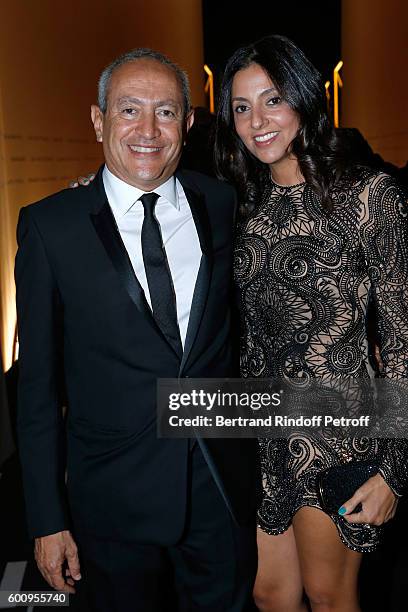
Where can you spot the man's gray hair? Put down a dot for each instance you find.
(131, 56)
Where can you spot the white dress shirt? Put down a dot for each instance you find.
(178, 230)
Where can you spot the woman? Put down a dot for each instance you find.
(316, 240)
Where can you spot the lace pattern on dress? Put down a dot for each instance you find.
(304, 280)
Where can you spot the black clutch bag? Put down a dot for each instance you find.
(337, 484)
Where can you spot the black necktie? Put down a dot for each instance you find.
(159, 280)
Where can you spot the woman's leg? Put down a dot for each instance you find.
(329, 569)
(278, 586)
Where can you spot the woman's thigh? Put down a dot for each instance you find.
(278, 584)
(329, 569)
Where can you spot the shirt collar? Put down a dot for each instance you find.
(122, 196)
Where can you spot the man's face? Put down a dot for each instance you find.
(144, 125)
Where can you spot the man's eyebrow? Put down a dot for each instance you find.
(131, 100)
(168, 102)
(265, 92)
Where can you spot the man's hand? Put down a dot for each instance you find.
(50, 553)
(82, 180)
(378, 501)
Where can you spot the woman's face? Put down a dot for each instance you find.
(265, 123)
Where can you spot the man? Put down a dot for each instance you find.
(98, 296)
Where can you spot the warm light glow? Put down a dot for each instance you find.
(327, 88)
(7, 289)
(209, 86)
(337, 82)
(9, 350)
(16, 346)
(7, 250)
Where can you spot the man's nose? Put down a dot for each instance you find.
(147, 126)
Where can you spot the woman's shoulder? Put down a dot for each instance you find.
(383, 197)
(365, 180)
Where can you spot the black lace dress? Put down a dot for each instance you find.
(304, 279)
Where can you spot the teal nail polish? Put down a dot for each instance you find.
(342, 510)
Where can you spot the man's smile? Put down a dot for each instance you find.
(143, 149)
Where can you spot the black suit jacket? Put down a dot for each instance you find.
(81, 310)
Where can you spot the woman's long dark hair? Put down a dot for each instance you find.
(316, 146)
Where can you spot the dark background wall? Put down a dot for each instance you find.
(314, 25)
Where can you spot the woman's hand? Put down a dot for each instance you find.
(378, 501)
(82, 180)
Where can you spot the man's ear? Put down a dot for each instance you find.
(189, 119)
(97, 120)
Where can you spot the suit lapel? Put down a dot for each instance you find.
(105, 226)
(108, 233)
(200, 215)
